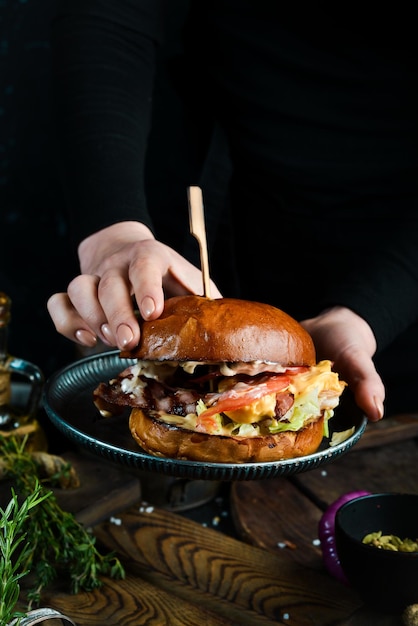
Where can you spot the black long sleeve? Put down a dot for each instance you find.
(321, 117)
(104, 65)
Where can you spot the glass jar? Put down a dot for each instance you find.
(21, 384)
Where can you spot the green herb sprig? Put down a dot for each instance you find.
(56, 541)
(12, 537)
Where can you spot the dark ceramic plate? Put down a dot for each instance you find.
(68, 402)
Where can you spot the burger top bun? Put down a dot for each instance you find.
(196, 328)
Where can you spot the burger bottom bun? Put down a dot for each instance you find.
(166, 440)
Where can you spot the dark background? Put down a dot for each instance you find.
(36, 257)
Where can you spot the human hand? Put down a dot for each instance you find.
(346, 339)
(117, 263)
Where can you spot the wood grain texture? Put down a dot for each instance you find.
(104, 489)
(223, 575)
(268, 513)
(389, 430)
(387, 468)
(132, 602)
(181, 573)
(273, 514)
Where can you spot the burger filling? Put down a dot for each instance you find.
(231, 399)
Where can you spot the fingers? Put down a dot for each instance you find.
(132, 274)
(95, 308)
(358, 370)
(184, 274)
(147, 266)
(68, 322)
(157, 272)
(127, 261)
(346, 339)
(118, 324)
(80, 316)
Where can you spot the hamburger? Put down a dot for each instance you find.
(224, 380)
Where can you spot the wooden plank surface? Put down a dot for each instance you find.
(387, 468)
(273, 514)
(182, 573)
(131, 602)
(223, 575)
(105, 488)
(281, 515)
(292, 507)
(389, 430)
(179, 572)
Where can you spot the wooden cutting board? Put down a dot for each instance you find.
(180, 572)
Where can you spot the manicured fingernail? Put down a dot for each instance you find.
(147, 306)
(86, 338)
(124, 335)
(108, 337)
(379, 406)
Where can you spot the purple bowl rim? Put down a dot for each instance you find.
(379, 494)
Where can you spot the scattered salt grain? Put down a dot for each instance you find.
(286, 544)
(286, 616)
(216, 520)
(146, 508)
(115, 520)
(324, 473)
(316, 542)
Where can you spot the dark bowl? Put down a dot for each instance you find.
(386, 580)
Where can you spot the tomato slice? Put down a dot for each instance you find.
(243, 394)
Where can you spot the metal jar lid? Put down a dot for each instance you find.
(42, 615)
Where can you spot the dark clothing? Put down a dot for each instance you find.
(300, 125)
(323, 128)
(36, 257)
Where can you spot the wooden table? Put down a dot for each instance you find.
(180, 572)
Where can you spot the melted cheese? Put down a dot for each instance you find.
(258, 410)
(318, 377)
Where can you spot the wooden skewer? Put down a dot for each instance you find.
(198, 230)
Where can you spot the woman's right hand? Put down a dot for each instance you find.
(120, 265)
(346, 339)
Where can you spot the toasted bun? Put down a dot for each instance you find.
(195, 328)
(166, 440)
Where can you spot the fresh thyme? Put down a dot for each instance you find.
(56, 542)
